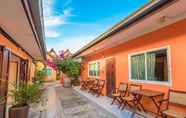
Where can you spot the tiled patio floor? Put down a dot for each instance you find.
(76, 106)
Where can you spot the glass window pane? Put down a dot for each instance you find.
(94, 69)
(157, 67)
(138, 67)
(90, 70)
(98, 71)
(48, 71)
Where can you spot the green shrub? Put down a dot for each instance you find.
(69, 67)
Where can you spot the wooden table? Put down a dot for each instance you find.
(138, 94)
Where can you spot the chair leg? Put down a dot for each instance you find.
(124, 105)
(120, 104)
(98, 93)
(114, 99)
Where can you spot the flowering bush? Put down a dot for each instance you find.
(69, 67)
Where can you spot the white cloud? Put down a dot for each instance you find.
(67, 12)
(54, 20)
(51, 34)
(73, 43)
(67, 3)
(47, 7)
(52, 17)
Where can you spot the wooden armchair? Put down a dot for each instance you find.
(83, 84)
(92, 84)
(175, 98)
(98, 89)
(129, 98)
(119, 92)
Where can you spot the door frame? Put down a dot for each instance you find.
(114, 84)
(4, 74)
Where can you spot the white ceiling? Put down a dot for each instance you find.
(14, 21)
(175, 12)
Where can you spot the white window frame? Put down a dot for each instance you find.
(91, 62)
(168, 83)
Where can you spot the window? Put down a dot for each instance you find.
(94, 69)
(48, 71)
(150, 66)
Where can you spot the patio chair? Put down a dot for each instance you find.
(98, 89)
(129, 98)
(92, 84)
(83, 84)
(175, 98)
(119, 92)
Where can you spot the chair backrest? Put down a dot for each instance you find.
(101, 83)
(96, 81)
(123, 87)
(135, 87)
(177, 97)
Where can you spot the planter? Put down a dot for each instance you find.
(2, 105)
(67, 82)
(19, 112)
(76, 82)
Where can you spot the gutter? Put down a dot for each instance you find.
(124, 24)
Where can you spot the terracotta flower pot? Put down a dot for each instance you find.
(19, 112)
(67, 82)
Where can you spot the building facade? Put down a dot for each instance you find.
(146, 48)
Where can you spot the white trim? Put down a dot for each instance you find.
(169, 82)
(95, 61)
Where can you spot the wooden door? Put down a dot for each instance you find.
(23, 71)
(4, 65)
(110, 76)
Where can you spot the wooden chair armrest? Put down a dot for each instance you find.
(163, 100)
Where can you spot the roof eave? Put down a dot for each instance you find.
(38, 30)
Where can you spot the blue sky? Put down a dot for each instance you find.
(71, 24)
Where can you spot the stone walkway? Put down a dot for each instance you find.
(76, 106)
(67, 103)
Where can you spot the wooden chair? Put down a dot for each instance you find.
(87, 83)
(98, 89)
(175, 98)
(83, 84)
(119, 92)
(129, 98)
(92, 84)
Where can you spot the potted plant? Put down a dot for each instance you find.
(23, 95)
(71, 70)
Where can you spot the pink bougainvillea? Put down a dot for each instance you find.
(62, 54)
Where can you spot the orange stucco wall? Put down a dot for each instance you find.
(17, 51)
(173, 36)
